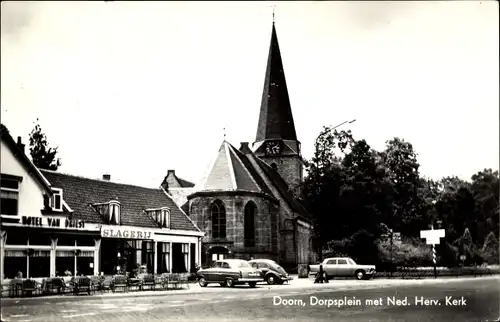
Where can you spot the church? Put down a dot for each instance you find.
(247, 203)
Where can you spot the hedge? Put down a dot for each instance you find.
(426, 272)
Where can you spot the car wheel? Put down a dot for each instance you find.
(229, 282)
(360, 274)
(202, 282)
(271, 279)
(252, 284)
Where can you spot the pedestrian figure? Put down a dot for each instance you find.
(320, 277)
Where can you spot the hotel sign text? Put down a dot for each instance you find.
(52, 222)
(126, 233)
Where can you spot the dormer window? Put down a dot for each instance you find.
(57, 199)
(114, 212)
(161, 216)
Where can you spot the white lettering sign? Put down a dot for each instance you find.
(126, 233)
(52, 222)
(432, 236)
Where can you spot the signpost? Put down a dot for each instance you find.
(432, 237)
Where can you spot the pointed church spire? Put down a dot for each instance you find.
(276, 120)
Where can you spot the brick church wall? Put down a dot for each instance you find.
(266, 243)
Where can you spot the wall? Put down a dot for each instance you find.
(266, 240)
(30, 191)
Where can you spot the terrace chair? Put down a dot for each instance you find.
(15, 287)
(120, 282)
(29, 287)
(106, 284)
(184, 280)
(148, 282)
(95, 282)
(159, 282)
(83, 285)
(55, 284)
(173, 282)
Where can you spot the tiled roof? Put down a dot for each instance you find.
(80, 193)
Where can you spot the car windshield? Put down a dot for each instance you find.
(350, 261)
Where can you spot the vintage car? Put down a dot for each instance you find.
(344, 267)
(271, 271)
(230, 272)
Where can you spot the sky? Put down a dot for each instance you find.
(134, 89)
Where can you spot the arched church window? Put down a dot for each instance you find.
(218, 220)
(249, 228)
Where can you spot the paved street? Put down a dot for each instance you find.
(480, 303)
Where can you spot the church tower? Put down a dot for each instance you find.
(276, 141)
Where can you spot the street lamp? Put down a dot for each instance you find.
(349, 122)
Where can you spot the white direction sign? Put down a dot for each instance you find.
(432, 236)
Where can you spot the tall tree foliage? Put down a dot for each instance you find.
(357, 195)
(43, 156)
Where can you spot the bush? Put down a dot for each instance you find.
(403, 254)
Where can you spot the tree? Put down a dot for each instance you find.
(401, 161)
(490, 249)
(321, 188)
(485, 187)
(43, 156)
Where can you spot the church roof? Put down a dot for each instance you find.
(242, 170)
(276, 119)
(229, 172)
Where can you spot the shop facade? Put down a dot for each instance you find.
(35, 247)
(55, 224)
(124, 248)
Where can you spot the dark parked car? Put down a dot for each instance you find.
(230, 272)
(271, 271)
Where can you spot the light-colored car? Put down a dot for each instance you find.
(271, 271)
(344, 267)
(230, 272)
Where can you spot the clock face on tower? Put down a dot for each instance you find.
(273, 147)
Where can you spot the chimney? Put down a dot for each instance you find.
(106, 177)
(20, 144)
(245, 148)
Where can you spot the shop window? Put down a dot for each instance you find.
(84, 265)
(57, 199)
(65, 264)
(85, 241)
(65, 240)
(147, 254)
(39, 264)
(9, 195)
(164, 258)
(15, 262)
(40, 239)
(15, 238)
